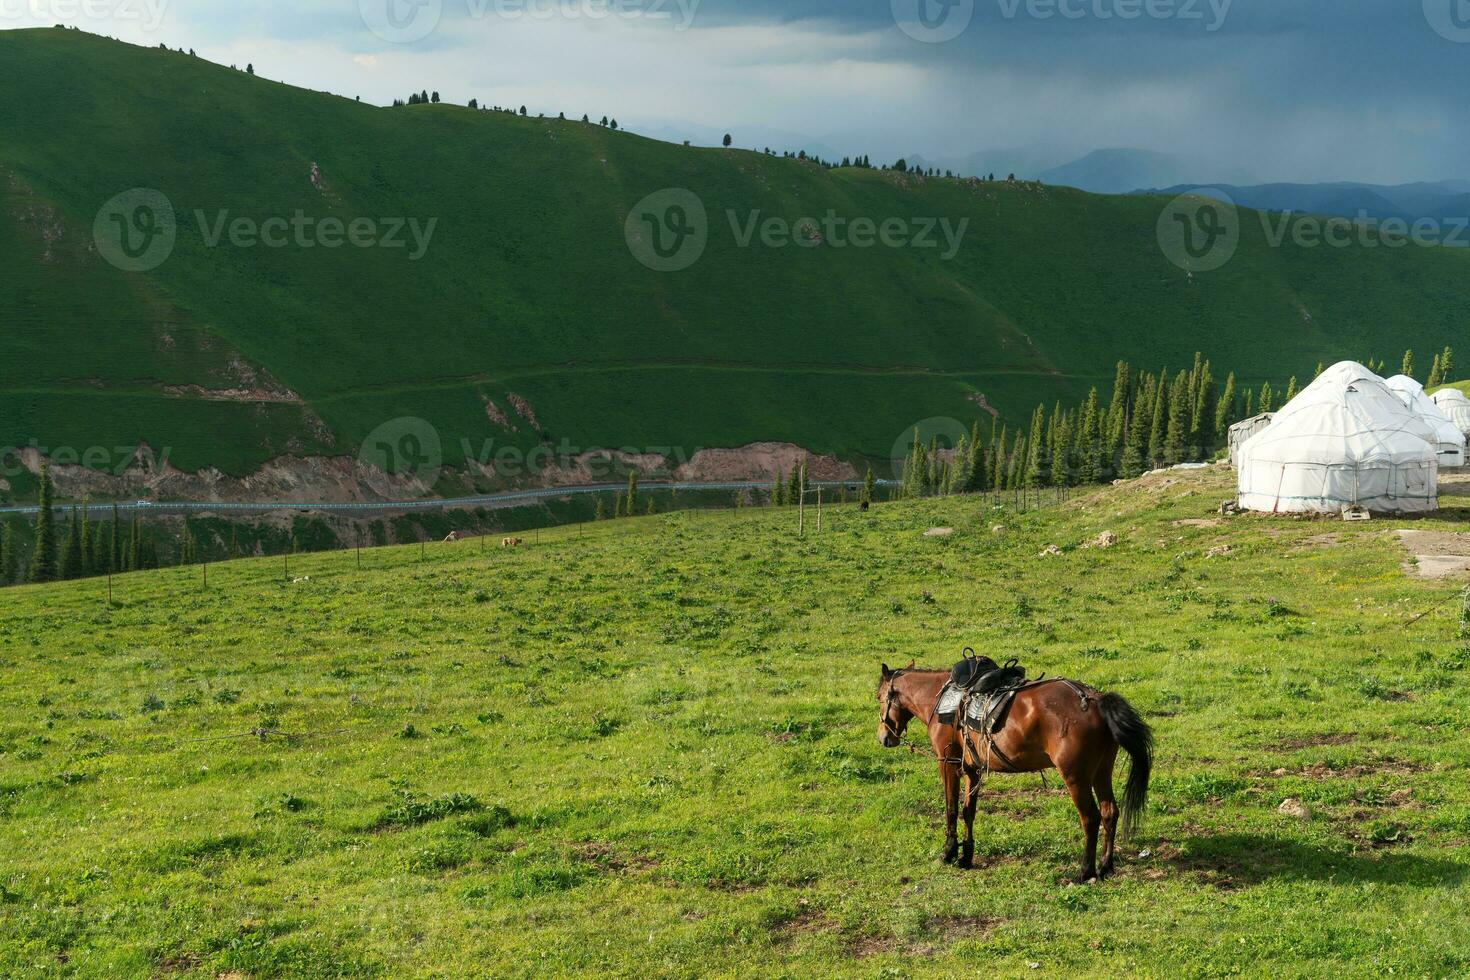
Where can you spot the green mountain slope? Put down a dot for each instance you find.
(528, 284)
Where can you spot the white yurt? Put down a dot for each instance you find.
(1345, 441)
(1451, 438)
(1241, 432)
(1455, 405)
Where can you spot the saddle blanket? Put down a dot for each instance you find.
(983, 712)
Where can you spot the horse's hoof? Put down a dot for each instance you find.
(1086, 878)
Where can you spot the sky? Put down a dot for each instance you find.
(1272, 90)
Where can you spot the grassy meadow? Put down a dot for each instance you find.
(648, 748)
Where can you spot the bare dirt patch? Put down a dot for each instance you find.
(1377, 767)
(1312, 741)
(1437, 554)
(1201, 522)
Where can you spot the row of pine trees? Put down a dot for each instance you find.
(1152, 420)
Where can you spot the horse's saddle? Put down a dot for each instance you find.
(981, 690)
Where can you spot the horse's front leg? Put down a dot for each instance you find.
(950, 774)
(972, 799)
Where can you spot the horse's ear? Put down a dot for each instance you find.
(911, 665)
(886, 671)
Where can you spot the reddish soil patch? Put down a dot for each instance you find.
(1312, 741)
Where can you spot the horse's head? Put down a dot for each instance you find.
(893, 717)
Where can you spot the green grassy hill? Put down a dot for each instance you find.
(528, 285)
(650, 749)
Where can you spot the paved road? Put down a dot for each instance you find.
(391, 506)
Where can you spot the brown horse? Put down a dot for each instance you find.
(1054, 723)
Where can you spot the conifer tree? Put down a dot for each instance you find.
(1089, 450)
(1038, 462)
(43, 557)
(870, 484)
(1203, 436)
(1117, 427)
(1408, 369)
(649, 511)
(632, 492)
(1159, 422)
(114, 557)
(1225, 409)
(778, 490)
(797, 484)
(1265, 401)
(86, 564)
(600, 514)
(1435, 375)
(998, 462)
(1177, 433)
(71, 549)
(1447, 366)
(1061, 452)
(7, 554)
(1248, 412)
(1320, 369)
(1290, 390)
(1017, 463)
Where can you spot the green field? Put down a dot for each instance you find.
(528, 285)
(648, 748)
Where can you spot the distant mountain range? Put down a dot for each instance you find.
(1448, 199)
(1109, 171)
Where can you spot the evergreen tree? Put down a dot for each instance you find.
(43, 557)
(1436, 375)
(1204, 434)
(1061, 450)
(1225, 409)
(1320, 369)
(71, 549)
(1159, 421)
(1265, 401)
(1408, 369)
(1117, 427)
(85, 564)
(870, 484)
(1089, 448)
(1038, 461)
(1176, 435)
(7, 554)
(250, 69)
(778, 490)
(135, 547)
(1447, 366)
(797, 484)
(632, 493)
(648, 511)
(1135, 443)
(1290, 390)
(998, 462)
(114, 547)
(1248, 411)
(234, 551)
(601, 513)
(1017, 463)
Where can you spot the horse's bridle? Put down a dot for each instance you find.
(888, 727)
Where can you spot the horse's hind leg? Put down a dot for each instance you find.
(1102, 784)
(1079, 785)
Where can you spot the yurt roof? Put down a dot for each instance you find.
(1347, 415)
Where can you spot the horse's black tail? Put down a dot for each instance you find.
(1134, 737)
